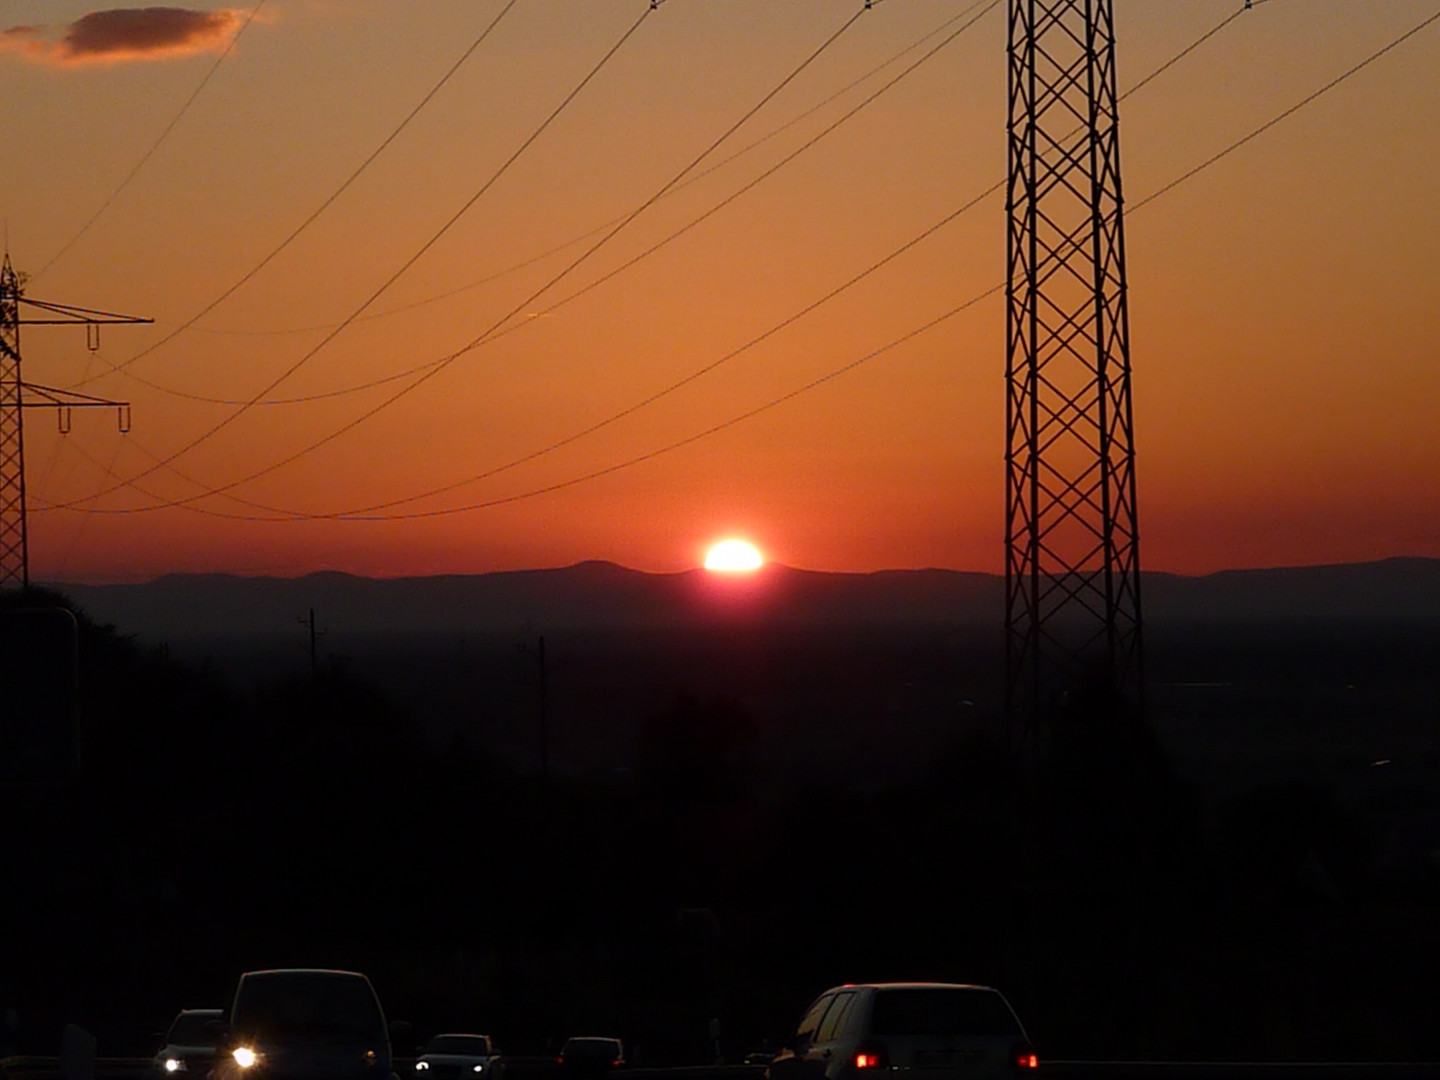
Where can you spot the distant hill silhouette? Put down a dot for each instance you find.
(602, 595)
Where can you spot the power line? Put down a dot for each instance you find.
(496, 331)
(359, 513)
(1331, 85)
(678, 444)
(474, 198)
(790, 395)
(295, 515)
(445, 362)
(299, 515)
(694, 375)
(495, 276)
(1183, 53)
(325, 205)
(145, 157)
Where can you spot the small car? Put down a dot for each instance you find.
(459, 1057)
(190, 1043)
(928, 1031)
(590, 1055)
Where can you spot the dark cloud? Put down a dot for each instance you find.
(120, 34)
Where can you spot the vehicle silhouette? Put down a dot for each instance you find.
(590, 1055)
(930, 1031)
(459, 1057)
(189, 1046)
(305, 1024)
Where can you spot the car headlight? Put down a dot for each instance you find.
(244, 1056)
(174, 1064)
(421, 1066)
(478, 1068)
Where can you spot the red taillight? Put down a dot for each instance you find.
(871, 1056)
(1028, 1061)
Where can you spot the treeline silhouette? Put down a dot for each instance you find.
(306, 823)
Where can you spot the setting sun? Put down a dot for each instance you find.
(734, 556)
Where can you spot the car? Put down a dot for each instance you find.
(459, 1057)
(590, 1055)
(928, 1031)
(190, 1043)
(305, 1024)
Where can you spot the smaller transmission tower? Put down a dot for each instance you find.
(16, 396)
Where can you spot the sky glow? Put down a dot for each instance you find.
(1282, 304)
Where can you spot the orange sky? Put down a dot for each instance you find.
(1284, 303)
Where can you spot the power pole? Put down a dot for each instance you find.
(315, 635)
(16, 396)
(1072, 567)
(542, 719)
(544, 726)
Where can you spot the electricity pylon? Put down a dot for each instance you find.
(16, 396)
(1072, 568)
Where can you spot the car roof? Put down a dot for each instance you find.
(303, 971)
(200, 1012)
(911, 986)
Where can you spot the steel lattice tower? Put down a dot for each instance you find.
(13, 561)
(1072, 566)
(14, 392)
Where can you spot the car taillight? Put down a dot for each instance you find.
(1027, 1059)
(871, 1056)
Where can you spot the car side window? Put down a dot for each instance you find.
(834, 1020)
(811, 1024)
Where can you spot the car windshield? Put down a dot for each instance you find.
(192, 1029)
(592, 1048)
(942, 1011)
(308, 1006)
(475, 1045)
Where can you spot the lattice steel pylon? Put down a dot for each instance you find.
(14, 568)
(14, 539)
(1072, 568)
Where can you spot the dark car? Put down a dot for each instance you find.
(591, 1055)
(459, 1057)
(928, 1031)
(305, 1024)
(189, 1046)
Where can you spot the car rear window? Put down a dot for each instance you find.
(592, 1048)
(323, 1006)
(192, 1030)
(942, 1011)
(477, 1045)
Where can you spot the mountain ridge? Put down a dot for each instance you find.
(599, 595)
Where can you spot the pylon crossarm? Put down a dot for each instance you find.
(50, 397)
(75, 316)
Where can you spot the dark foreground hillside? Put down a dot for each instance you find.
(735, 817)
